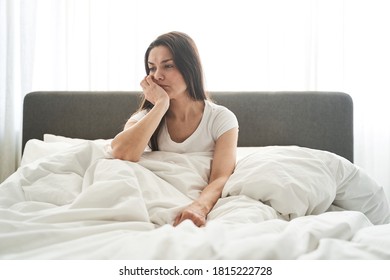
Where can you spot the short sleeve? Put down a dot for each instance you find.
(224, 121)
(138, 116)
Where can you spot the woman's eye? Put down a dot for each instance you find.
(152, 69)
(169, 66)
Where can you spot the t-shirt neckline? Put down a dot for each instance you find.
(205, 112)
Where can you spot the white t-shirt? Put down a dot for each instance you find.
(216, 120)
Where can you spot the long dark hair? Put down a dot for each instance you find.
(186, 58)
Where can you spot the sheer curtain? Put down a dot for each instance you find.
(339, 45)
(17, 28)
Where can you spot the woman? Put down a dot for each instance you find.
(177, 116)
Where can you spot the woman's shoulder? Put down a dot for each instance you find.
(215, 106)
(220, 119)
(217, 109)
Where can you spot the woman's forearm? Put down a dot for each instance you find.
(198, 210)
(131, 142)
(211, 193)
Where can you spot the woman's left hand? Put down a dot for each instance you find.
(194, 212)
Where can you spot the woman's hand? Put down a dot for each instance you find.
(224, 161)
(194, 212)
(153, 92)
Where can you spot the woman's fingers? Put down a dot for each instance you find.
(152, 91)
(144, 84)
(149, 79)
(198, 219)
(148, 83)
(177, 220)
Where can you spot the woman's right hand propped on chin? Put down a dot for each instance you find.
(153, 92)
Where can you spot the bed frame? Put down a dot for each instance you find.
(318, 120)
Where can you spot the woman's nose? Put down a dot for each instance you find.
(158, 75)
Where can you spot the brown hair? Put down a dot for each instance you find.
(186, 58)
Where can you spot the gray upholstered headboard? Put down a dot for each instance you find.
(319, 120)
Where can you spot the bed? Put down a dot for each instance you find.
(295, 192)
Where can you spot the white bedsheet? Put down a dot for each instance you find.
(78, 203)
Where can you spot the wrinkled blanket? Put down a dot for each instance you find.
(280, 203)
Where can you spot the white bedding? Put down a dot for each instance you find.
(71, 200)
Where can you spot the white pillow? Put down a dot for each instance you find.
(356, 190)
(51, 144)
(245, 151)
(298, 181)
(290, 179)
(361, 193)
(36, 149)
(50, 138)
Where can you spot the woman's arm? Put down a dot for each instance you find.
(222, 167)
(131, 142)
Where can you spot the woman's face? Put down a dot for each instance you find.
(165, 73)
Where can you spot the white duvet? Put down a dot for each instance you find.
(71, 200)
